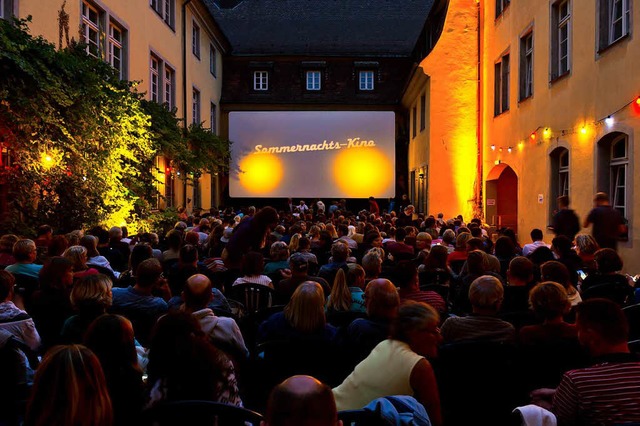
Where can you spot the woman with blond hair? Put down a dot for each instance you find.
(302, 318)
(78, 257)
(347, 293)
(81, 397)
(90, 297)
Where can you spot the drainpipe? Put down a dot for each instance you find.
(184, 86)
(480, 150)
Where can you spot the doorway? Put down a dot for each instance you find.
(502, 197)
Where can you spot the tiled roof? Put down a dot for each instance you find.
(323, 27)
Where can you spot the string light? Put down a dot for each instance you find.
(609, 121)
(547, 132)
(533, 136)
(583, 130)
(509, 149)
(493, 147)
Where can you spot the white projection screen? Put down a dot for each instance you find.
(319, 154)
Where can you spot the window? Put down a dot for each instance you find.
(260, 80)
(162, 82)
(213, 60)
(109, 46)
(526, 66)
(169, 84)
(501, 85)
(414, 121)
(195, 40)
(559, 179)
(116, 50)
(560, 42)
(614, 21)
(165, 9)
(195, 110)
(91, 30)
(313, 80)
(213, 119)
(6, 8)
(501, 5)
(423, 112)
(613, 170)
(154, 82)
(366, 80)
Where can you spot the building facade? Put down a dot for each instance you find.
(174, 50)
(555, 110)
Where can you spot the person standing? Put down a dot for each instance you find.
(565, 221)
(607, 222)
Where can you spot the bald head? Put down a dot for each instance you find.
(197, 292)
(301, 401)
(382, 299)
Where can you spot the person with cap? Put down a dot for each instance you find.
(299, 268)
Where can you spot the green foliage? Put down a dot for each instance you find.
(80, 142)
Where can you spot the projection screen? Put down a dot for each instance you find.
(319, 154)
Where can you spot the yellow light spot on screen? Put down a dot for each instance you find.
(260, 173)
(362, 172)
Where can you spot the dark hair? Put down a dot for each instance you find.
(540, 255)
(188, 254)
(139, 253)
(90, 243)
(404, 273)
(252, 263)
(53, 273)
(401, 233)
(504, 247)
(148, 273)
(7, 281)
(536, 234)
(174, 239)
(475, 243)
(522, 268)
(430, 222)
(43, 230)
(476, 263)
(604, 317)
(608, 261)
(437, 257)
(557, 272)
(562, 244)
(181, 356)
(58, 245)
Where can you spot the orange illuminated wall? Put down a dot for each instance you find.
(452, 68)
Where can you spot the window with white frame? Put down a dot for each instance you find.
(560, 38)
(213, 119)
(260, 80)
(116, 49)
(195, 40)
(559, 178)
(313, 80)
(501, 5)
(501, 85)
(526, 66)
(366, 80)
(213, 60)
(91, 29)
(618, 171)
(563, 172)
(154, 79)
(165, 9)
(614, 21)
(169, 85)
(195, 107)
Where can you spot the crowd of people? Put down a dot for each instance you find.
(459, 322)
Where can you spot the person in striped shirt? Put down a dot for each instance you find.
(608, 392)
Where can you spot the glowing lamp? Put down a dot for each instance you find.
(493, 147)
(547, 132)
(168, 170)
(583, 130)
(521, 145)
(638, 101)
(533, 136)
(609, 121)
(509, 149)
(500, 149)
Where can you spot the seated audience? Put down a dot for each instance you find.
(301, 400)
(186, 266)
(586, 248)
(222, 331)
(299, 267)
(90, 297)
(6, 250)
(558, 272)
(95, 259)
(25, 253)
(13, 319)
(78, 257)
(485, 294)
(110, 337)
(397, 366)
(608, 392)
(303, 317)
(606, 281)
(252, 267)
(184, 365)
(537, 241)
(81, 396)
(347, 292)
(339, 255)
(372, 263)
(139, 253)
(549, 302)
(406, 278)
(519, 282)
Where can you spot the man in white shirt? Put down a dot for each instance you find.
(536, 237)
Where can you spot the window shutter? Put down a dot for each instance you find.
(505, 83)
(603, 30)
(522, 77)
(555, 39)
(496, 89)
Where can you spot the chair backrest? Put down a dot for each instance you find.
(617, 292)
(253, 296)
(25, 286)
(199, 413)
(633, 318)
(456, 265)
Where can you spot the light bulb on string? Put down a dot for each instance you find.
(547, 132)
(609, 121)
(493, 147)
(509, 149)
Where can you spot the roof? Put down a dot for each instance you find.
(323, 27)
